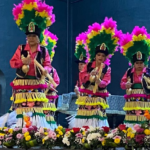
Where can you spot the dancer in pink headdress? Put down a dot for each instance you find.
(101, 41)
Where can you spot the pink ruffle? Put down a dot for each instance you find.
(96, 94)
(40, 86)
(51, 97)
(135, 96)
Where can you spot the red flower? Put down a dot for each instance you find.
(68, 130)
(139, 138)
(86, 127)
(76, 130)
(106, 129)
(122, 127)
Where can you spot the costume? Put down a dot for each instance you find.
(50, 41)
(135, 47)
(28, 96)
(101, 38)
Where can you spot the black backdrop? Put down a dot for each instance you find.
(72, 17)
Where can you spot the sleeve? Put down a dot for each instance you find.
(106, 79)
(124, 81)
(47, 62)
(84, 75)
(16, 61)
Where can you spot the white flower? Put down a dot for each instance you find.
(93, 136)
(37, 134)
(46, 138)
(110, 135)
(91, 129)
(65, 141)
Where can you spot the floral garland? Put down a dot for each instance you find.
(77, 138)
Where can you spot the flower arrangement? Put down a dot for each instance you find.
(77, 138)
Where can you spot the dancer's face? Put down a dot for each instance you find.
(81, 66)
(32, 39)
(100, 58)
(139, 65)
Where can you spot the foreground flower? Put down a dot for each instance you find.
(147, 131)
(117, 140)
(122, 127)
(79, 135)
(106, 129)
(136, 127)
(19, 136)
(27, 138)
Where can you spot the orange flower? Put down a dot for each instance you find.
(147, 115)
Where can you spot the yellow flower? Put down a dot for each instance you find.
(10, 131)
(71, 131)
(60, 133)
(0, 128)
(60, 127)
(43, 141)
(105, 134)
(5, 128)
(132, 135)
(124, 131)
(83, 133)
(129, 134)
(103, 142)
(58, 130)
(26, 134)
(117, 140)
(129, 130)
(28, 138)
(45, 133)
(147, 131)
(83, 140)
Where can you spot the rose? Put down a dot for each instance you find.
(76, 130)
(86, 127)
(35, 128)
(140, 130)
(30, 129)
(41, 130)
(68, 130)
(136, 127)
(122, 127)
(106, 129)
(139, 138)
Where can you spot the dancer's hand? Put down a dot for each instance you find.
(128, 85)
(44, 72)
(93, 73)
(26, 60)
(97, 81)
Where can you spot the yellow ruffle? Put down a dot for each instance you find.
(136, 106)
(51, 94)
(49, 106)
(92, 101)
(30, 97)
(135, 91)
(135, 118)
(28, 109)
(85, 112)
(49, 118)
(23, 82)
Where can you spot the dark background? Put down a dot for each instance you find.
(72, 18)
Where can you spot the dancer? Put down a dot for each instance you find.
(50, 41)
(96, 75)
(32, 62)
(135, 47)
(82, 55)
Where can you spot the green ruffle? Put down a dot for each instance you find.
(91, 117)
(51, 122)
(134, 122)
(34, 114)
(137, 86)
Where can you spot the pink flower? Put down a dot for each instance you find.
(0, 143)
(24, 130)
(140, 138)
(114, 131)
(101, 139)
(79, 135)
(140, 130)
(1, 137)
(19, 136)
(136, 127)
(41, 130)
(16, 129)
(52, 134)
(117, 137)
(6, 129)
